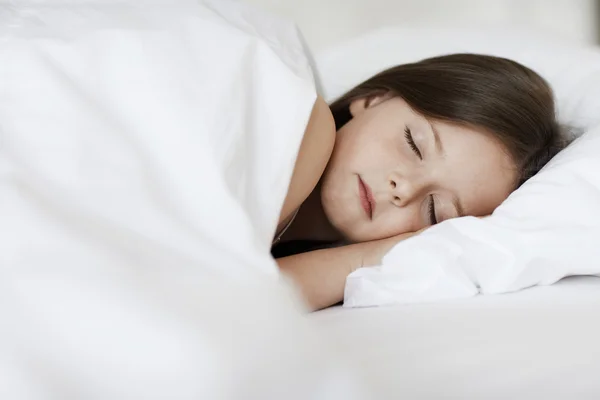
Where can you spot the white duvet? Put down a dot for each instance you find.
(145, 151)
(164, 135)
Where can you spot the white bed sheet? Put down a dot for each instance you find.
(541, 343)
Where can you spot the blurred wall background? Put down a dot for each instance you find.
(326, 22)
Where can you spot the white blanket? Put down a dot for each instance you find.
(145, 151)
(169, 133)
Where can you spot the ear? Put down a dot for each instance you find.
(359, 105)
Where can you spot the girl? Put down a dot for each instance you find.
(411, 147)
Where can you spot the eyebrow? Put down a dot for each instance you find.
(436, 137)
(459, 208)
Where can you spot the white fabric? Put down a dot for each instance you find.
(145, 151)
(546, 230)
(540, 343)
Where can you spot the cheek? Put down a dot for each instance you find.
(361, 153)
(342, 153)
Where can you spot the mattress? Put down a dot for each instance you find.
(540, 343)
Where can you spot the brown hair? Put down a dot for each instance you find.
(508, 100)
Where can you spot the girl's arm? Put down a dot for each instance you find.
(321, 274)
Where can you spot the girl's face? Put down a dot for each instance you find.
(392, 171)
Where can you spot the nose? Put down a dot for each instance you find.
(404, 190)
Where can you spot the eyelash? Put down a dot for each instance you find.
(432, 218)
(411, 142)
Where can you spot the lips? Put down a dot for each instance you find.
(366, 198)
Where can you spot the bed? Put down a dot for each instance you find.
(540, 343)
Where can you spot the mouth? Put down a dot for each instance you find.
(366, 198)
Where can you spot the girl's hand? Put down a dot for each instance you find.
(321, 274)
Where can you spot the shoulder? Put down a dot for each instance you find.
(313, 155)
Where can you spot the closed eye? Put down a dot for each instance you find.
(432, 218)
(411, 142)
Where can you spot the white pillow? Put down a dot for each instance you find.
(543, 232)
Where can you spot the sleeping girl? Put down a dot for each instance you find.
(413, 146)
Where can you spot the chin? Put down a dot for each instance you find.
(361, 238)
(353, 235)
(358, 236)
